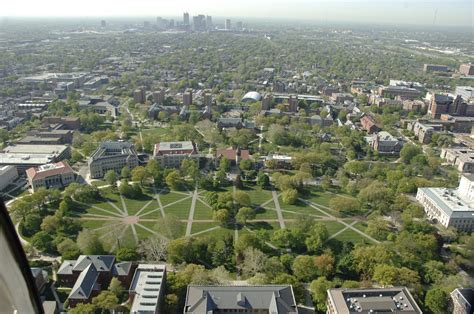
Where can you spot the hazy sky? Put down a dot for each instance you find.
(427, 12)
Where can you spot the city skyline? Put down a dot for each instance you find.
(415, 12)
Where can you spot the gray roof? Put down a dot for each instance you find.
(278, 299)
(122, 269)
(85, 284)
(252, 96)
(66, 267)
(101, 262)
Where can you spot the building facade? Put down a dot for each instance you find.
(147, 288)
(172, 154)
(463, 301)
(265, 299)
(450, 207)
(112, 156)
(8, 174)
(47, 176)
(461, 158)
(376, 300)
(466, 69)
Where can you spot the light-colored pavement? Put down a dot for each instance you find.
(278, 209)
(191, 213)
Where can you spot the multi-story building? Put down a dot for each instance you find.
(385, 143)
(466, 69)
(411, 105)
(463, 301)
(402, 91)
(112, 156)
(62, 123)
(376, 300)
(147, 288)
(188, 97)
(139, 95)
(171, 154)
(445, 103)
(27, 156)
(450, 207)
(228, 24)
(274, 299)
(435, 68)
(100, 104)
(8, 174)
(461, 158)
(368, 124)
(47, 137)
(159, 96)
(466, 92)
(57, 175)
(424, 130)
(186, 19)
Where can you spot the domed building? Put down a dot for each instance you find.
(251, 97)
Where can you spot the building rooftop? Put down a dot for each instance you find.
(146, 285)
(113, 148)
(101, 262)
(252, 96)
(48, 170)
(278, 299)
(85, 283)
(451, 202)
(35, 149)
(382, 300)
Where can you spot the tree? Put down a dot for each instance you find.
(242, 198)
(289, 196)
(89, 243)
(408, 152)
(254, 261)
(325, 264)
(317, 235)
(153, 248)
(224, 164)
(68, 249)
(245, 214)
(189, 168)
(83, 308)
(125, 173)
(43, 242)
(155, 171)
(106, 300)
(246, 164)
(222, 216)
(345, 205)
(304, 268)
(180, 251)
(126, 254)
(111, 177)
(116, 288)
(139, 174)
(437, 300)
(319, 288)
(174, 180)
(263, 180)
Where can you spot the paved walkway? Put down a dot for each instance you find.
(278, 209)
(191, 213)
(348, 226)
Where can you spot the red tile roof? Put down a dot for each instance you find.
(61, 167)
(231, 153)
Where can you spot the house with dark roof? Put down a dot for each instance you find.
(124, 271)
(69, 270)
(40, 277)
(274, 299)
(86, 286)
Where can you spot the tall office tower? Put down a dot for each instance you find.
(188, 97)
(159, 96)
(207, 99)
(228, 24)
(209, 22)
(139, 95)
(266, 101)
(199, 23)
(293, 102)
(186, 18)
(239, 26)
(146, 24)
(103, 23)
(171, 24)
(159, 21)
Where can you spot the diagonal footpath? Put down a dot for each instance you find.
(315, 206)
(191, 213)
(342, 230)
(278, 209)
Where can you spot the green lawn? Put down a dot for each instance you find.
(170, 197)
(180, 209)
(258, 195)
(135, 205)
(201, 226)
(300, 208)
(202, 212)
(266, 213)
(350, 235)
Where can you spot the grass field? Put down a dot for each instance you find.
(122, 221)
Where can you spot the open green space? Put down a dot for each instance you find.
(180, 209)
(202, 212)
